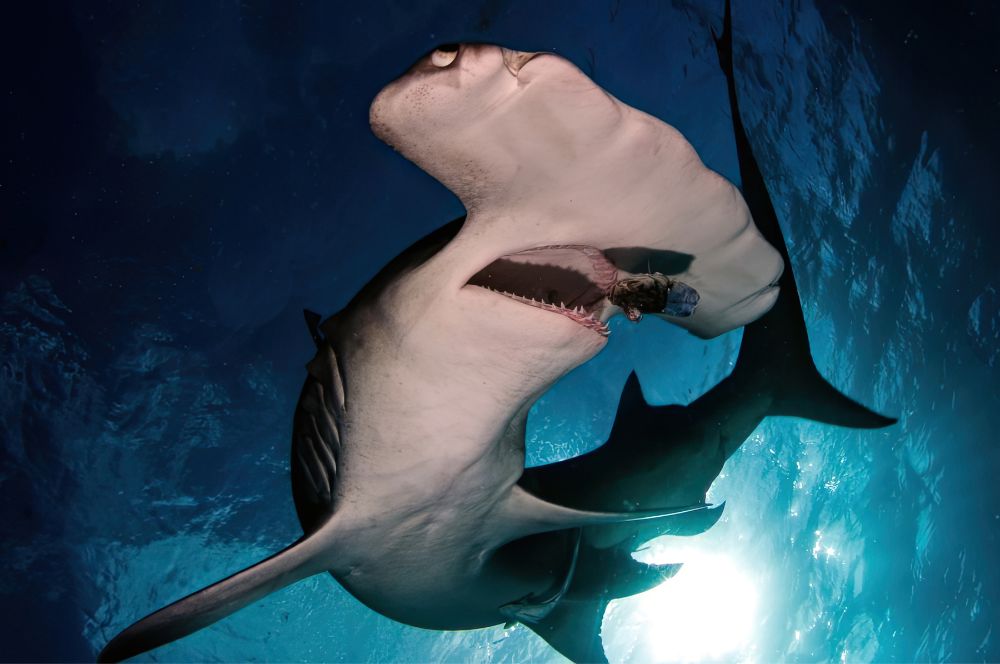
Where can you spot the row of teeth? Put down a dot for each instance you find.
(578, 314)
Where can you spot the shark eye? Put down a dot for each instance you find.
(444, 55)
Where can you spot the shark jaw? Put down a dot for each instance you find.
(568, 280)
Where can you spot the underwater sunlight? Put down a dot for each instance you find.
(706, 612)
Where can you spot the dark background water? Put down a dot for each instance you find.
(181, 179)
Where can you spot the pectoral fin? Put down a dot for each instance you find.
(522, 514)
(208, 605)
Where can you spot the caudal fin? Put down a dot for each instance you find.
(807, 394)
(774, 354)
(215, 602)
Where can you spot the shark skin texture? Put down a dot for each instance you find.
(408, 439)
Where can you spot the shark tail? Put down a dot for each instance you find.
(809, 395)
(215, 602)
(775, 352)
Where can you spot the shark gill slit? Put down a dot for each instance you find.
(316, 439)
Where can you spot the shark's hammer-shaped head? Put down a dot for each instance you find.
(568, 190)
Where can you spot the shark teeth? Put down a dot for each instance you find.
(577, 314)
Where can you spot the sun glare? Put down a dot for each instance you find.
(704, 613)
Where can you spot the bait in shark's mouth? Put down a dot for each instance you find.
(571, 280)
(653, 293)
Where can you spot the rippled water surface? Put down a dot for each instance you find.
(185, 179)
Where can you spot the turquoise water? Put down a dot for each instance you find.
(189, 178)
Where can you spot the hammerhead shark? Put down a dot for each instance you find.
(408, 439)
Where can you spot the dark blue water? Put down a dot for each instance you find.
(181, 180)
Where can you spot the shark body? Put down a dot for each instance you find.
(408, 439)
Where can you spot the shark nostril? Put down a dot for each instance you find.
(514, 60)
(444, 55)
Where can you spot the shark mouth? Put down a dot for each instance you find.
(570, 280)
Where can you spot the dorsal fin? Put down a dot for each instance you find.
(313, 320)
(524, 514)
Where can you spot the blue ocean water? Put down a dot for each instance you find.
(181, 180)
